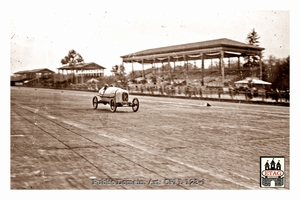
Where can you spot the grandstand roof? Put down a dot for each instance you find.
(42, 70)
(83, 66)
(192, 51)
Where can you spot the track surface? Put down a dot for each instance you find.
(58, 141)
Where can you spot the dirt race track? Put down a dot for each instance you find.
(58, 141)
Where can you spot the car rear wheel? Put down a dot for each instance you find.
(113, 105)
(135, 104)
(95, 102)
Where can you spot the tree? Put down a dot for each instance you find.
(269, 66)
(278, 72)
(72, 58)
(114, 69)
(118, 70)
(252, 62)
(120, 74)
(252, 38)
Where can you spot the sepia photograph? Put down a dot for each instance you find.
(147, 96)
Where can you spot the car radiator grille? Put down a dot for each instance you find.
(124, 96)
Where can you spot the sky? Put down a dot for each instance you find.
(102, 31)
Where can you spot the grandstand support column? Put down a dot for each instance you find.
(174, 65)
(239, 63)
(202, 69)
(170, 68)
(222, 65)
(186, 71)
(73, 76)
(132, 66)
(60, 76)
(260, 67)
(153, 67)
(81, 74)
(143, 68)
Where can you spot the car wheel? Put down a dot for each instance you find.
(95, 102)
(113, 105)
(135, 104)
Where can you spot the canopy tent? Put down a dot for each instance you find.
(252, 81)
(92, 80)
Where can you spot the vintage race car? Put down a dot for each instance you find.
(115, 97)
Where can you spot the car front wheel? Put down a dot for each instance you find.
(113, 105)
(135, 104)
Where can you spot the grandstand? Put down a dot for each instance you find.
(68, 74)
(205, 50)
(211, 77)
(35, 76)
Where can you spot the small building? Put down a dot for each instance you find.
(83, 69)
(34, 73)
(21, 77)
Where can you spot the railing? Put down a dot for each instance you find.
(212, 93)
(186, 92)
